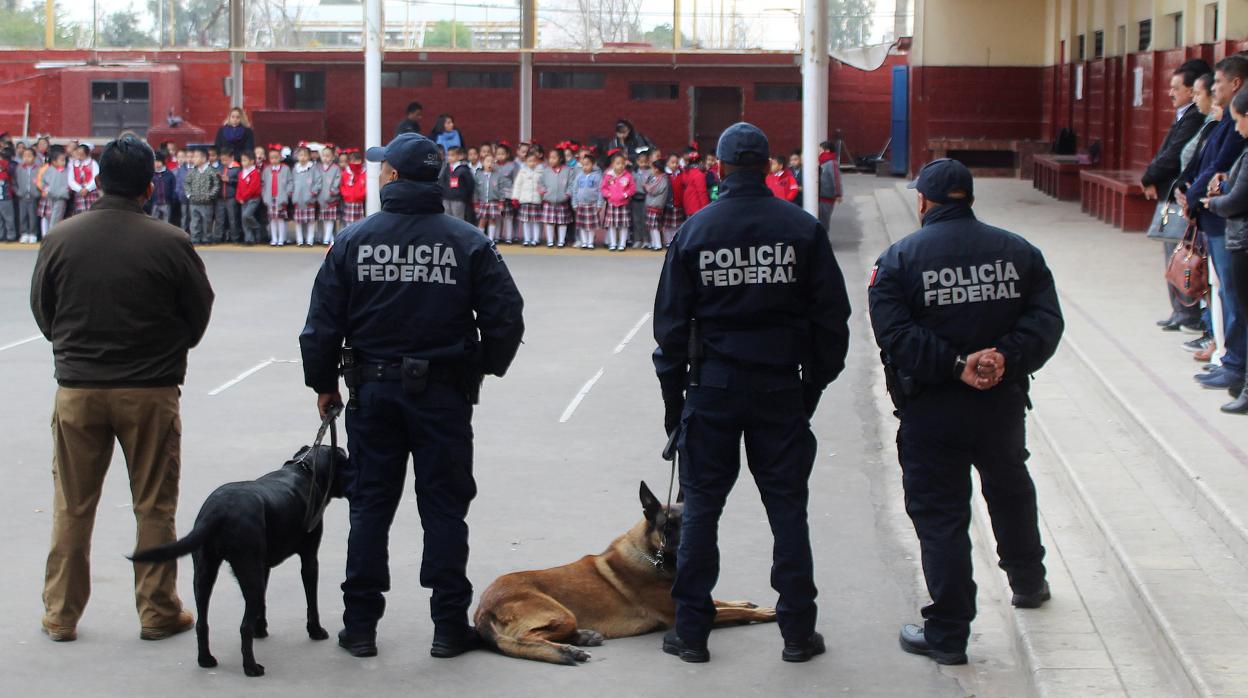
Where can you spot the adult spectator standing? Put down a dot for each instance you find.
(1221, 150)
(428, 307)
(446, 134)
(411, 122)
(629, 141)
(1165, 167)
(750, 284)
(829, 182)
(123, 297)
(235, 135)
(963, 313)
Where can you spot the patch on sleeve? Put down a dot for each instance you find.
(875, 272)
(494, 248)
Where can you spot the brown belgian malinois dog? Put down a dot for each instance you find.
(549, 615)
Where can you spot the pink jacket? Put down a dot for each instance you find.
(618, 190)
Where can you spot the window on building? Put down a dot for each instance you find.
(1211, 22)
(1176, 20)
(777, 92)
(1098, 44)
(653, 90)
(570, 80)
(1146, 35)
(306, 90)
(1083, 48)
(406, 78)
(490, 79)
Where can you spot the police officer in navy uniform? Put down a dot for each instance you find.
(426, 307)
(751, 320)
(964, 313)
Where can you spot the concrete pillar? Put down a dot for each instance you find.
(814, 97)
(238, 46)
(374, 38)
(528, 41)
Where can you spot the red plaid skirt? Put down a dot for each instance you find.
(489, 210)
(329, 211)
(619, 216)
(304, 214)
(280, 212)
(556, 214)
(654, 218)
(352, 211)
(588, 216)
(673, 217)
(84, 199)
(530, 213)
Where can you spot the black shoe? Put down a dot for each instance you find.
(1199, 343)
(447, 646)
(1035, 599)
(1171, 327)
(672, 644)
(913, 641)
(1165, 322)
(803, 651)
(1237, 406)
(357, 645)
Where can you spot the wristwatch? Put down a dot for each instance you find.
(959, 365)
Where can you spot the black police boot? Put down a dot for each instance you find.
(672, 644)
(913, 641)
(1035, 599)
(1239, 405)
(804, 650)
(447, 645)
(358, 645)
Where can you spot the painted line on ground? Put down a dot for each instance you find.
(248, 373)
(576, 401)
(20, 342)
(632, 333)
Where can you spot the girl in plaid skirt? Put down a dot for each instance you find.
(53, 183)
(506, 167)
(674, 213)
(526, 193)
(556, 184)
(354, 187)
(275, 191)
(618, 187)
(327, 199)
(587, 201)
(305, 186)
(488, 194)
(658, 193)
(83, 170)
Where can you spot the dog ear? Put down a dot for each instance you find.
(649, 503)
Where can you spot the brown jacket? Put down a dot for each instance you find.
(121, 296)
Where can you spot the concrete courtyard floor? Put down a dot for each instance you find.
(554, 484)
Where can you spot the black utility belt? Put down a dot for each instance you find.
(409, 369)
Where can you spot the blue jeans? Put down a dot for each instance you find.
(1232, 314)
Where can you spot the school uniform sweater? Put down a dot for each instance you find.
(524, 189)
(331, 184)
(557, 186)
(275, 186)
(305, 185)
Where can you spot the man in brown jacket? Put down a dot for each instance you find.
(122, 297)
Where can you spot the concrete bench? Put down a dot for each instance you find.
(1058, 175)
(990, 157)
(1116, 197)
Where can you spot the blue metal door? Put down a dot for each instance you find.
(900, 162)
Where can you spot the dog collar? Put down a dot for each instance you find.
(656, 559)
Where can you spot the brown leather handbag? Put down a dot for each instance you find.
(1188, 269)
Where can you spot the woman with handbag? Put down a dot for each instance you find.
(1233, 206)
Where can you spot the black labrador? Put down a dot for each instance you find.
(255, 526)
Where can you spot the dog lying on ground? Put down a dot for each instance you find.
(549, 615)
(255, 526)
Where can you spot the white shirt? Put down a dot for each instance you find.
(1179, 112)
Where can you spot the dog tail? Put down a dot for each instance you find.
(183, 546)
(537, 650)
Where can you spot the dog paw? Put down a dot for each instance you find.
(589, 638)
(207, 661)
(766, 614)
(737, 604)
(316, 632)
(574, 655)
(253, 669)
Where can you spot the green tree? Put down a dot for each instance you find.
(193, 22)
(661, 37)
(122, 29)
(849, 22)
(23, 27)
(440, 35)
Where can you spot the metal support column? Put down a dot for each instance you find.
(374, 36)
(238, 45)
(814, 97)
(528, 41)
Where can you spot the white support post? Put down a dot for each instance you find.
(374, 38)
(238, 46)
(814, 97)
(528, 41)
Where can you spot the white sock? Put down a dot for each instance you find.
(563, 235)
(281, 231)
(490, 232)
(611, 237)
(656, 239)
(329, 231)
(508, 232)
(550, 234)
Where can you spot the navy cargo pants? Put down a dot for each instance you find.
(944, 432)
(435, 429)
(764, 407)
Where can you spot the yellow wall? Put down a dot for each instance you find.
(979, 32)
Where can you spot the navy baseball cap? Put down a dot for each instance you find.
(939, 178)
(411, 155)
(742, 144)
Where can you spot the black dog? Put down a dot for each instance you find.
(255, 526)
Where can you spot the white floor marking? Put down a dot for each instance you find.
(632, 333)
(576, 401)
(248, 373)
(20, 342)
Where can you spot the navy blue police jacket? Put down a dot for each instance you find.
(956, 286)
(759, 275)
(411, 282)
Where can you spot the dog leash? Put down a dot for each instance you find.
(329, 423)
(670, 453)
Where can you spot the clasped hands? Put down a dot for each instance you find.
(984, 369)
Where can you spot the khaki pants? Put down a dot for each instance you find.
(85, 423)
